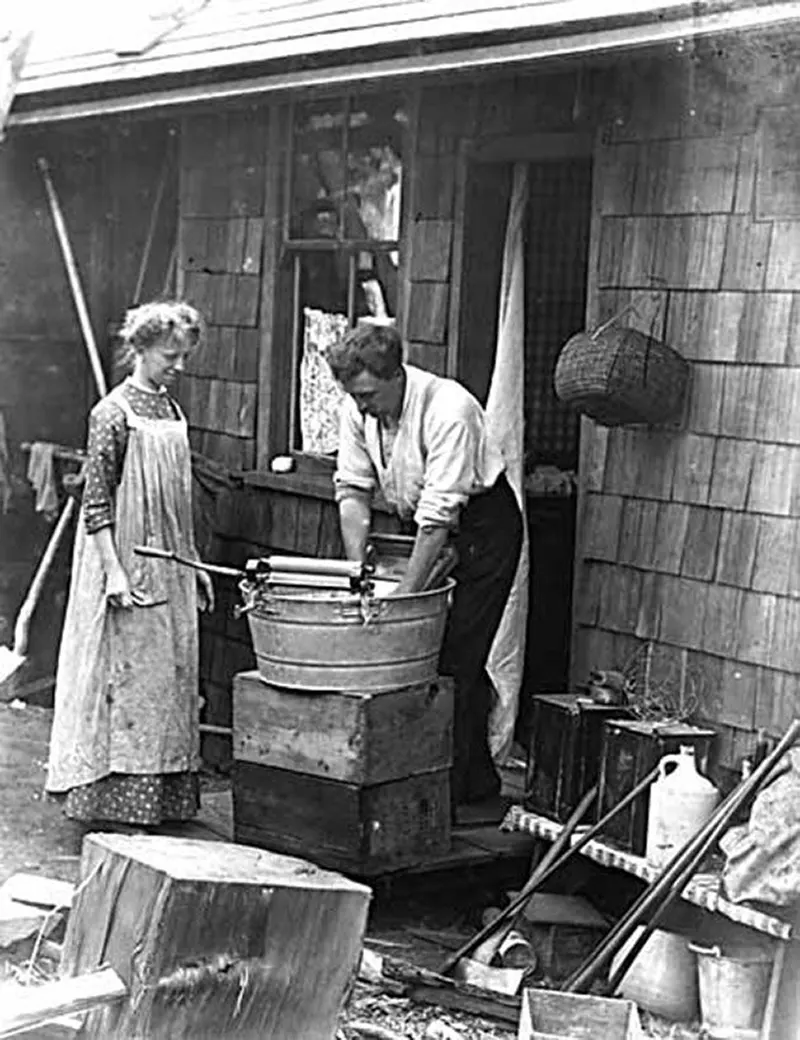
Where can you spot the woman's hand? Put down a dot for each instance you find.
(118, 589)
(205, 592)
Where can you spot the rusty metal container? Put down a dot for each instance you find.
(311, 639)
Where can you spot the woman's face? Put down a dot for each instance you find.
(161, 364)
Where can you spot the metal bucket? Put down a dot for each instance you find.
(328, 639)
(733, 990)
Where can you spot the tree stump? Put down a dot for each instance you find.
(213, 940)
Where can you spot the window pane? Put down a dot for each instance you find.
(318, 173)
(376, 128)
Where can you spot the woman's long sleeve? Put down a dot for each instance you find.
(108, 438)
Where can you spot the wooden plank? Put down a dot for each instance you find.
(705, 326)
(756, 628)
(430, 243)
(616, 168)
(246, 416)
(427, 315)
(272, 371)
(721, 620)
(774, 559)
(690, 251)
(764, 332)
(283, 533)
(628, 251)
(740, 401)
(776, 701)
(594, 444)
(672, 522)
(651, 597)
(701, 543)
(590, 578)
(704, 406)
(771, 484)
(655, 457)
(346, 735)
(732, 473)
(683, 613)
(27, 1007)
(245, 191)
(309, 517)
(619, 599)
(746, 250)
(777, 188)
(433, 186)
(778, 418)
(245, 367)
(217, 246)
(686, 176)
(226, 353)
(602, 531)
(693, 468)
(194, 236)
(247, 290)
(236, 235)
(739, 692)
(431, 357)
(793, 349)
(785, 650)
(746, 174)
(253, 245)
(737, 549)
(783, 269)
(638, 532)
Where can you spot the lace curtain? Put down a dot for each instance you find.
(320, 395)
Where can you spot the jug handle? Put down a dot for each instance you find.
(666, 761)
(710, 951)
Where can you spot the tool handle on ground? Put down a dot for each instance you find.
(23, 621)
(74, 278)
(542, 871)
(198, 565)
(671, 882)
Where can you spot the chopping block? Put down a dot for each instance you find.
(213, 940)
(355, 780)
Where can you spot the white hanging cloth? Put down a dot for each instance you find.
(505, 413)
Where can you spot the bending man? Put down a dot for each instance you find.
(423, 441)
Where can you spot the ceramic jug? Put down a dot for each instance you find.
(681, 801)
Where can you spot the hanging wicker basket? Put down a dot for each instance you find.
(620, 376)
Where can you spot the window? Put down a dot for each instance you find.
(341, 238)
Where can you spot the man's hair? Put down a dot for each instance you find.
(377, 349)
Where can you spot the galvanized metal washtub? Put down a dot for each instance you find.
(311, 639)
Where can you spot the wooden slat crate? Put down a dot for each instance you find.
(347, 735)
(631, 749)
(361, 830)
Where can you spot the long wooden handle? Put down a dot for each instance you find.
(74, 279)
(23, 621)
(198, 565)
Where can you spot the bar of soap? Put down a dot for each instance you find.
(282, 464)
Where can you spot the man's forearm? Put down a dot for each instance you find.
(355, 514)
(428, 544)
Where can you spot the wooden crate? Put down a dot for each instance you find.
(564, 751)
(354, 737)
(552, 1015)
(362, 830)
(631, 748)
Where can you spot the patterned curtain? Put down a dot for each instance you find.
(320, 395)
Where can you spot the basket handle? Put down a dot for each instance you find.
(631, 308)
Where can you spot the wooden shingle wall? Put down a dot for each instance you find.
(219, 258)
(691, 535)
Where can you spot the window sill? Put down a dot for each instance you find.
(317, 484)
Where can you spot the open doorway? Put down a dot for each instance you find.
(556, 259)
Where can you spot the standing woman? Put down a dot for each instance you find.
(124, 747)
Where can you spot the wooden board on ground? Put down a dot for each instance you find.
(576, 1016)
(213, 939)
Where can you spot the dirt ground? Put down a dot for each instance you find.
(419, 923)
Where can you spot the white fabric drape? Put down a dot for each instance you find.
(505, 412)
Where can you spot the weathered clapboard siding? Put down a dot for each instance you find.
(220, 245)
(690, 536)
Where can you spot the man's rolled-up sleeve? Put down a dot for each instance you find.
(355, 473)
(449, 470)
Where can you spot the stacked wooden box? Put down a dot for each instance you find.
(355, 781)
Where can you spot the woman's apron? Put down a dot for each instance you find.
(126, 697)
